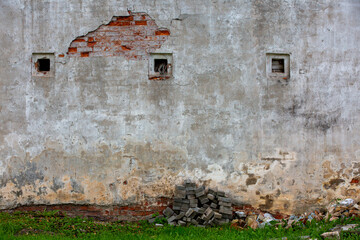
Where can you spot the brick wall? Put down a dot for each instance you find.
(127, 213)
(132, 36)
(133, 212)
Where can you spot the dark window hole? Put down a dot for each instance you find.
(160, 66)
(43, 65)
(277, 65)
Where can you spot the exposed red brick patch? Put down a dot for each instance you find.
(91, 44)
(133, 37)
(125, 18)
(140, 22)
(159, 78)
(79, 40)
(125, 48)
(354, 181)
(162, 32)
(129, 212)
(72, 50)
(124, 23)
(85, 54)
(61, 55)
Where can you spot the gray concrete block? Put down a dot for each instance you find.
(180, 194)
(199, 194)
(182, 223)
(225, 204)
(213, 205)
(190, 192)
(190, 196)
(203, 199)
(224, 199)
(211, 196)
(179, 187)
(225, 210)
(217, 215)
(177, 199)
(193, 221)
(172, 218)
(185, 201)
(200, 189)
(168, 212)
(201, 210)
(190, 185)
(177, 207)
(212, 191)
(185, 207)
(189, 212)
(181, 215)
(208, 214)
(220, 194)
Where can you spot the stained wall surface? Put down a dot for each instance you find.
(97, 130)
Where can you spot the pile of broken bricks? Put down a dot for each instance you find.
(198, 206)
(340, 209)
(203, 207)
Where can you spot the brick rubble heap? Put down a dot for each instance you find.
(198, 206)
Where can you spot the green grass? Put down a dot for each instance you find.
(53, 225)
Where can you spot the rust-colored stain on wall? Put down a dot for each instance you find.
(132, 36)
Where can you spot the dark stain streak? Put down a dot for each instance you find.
(41, 191)
(57, 184)
(333, 183)
(18, 193)
(269, 202)
(296, 105)
(313, 120)
(76, 187)
(28, 176)
(251, 180)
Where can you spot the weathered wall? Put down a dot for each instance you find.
(100, 132)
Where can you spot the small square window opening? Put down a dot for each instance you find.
(43, 65)
(161, 66)
(277, 65)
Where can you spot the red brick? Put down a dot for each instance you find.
(124, 23)
(91, 44)
(125, 48)
(162, 32)
(125, 18)
(132, 37)
(354, 181)
(72, 50)
(61, 55)
(85, 54)
(140, 22)
(79, 40)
